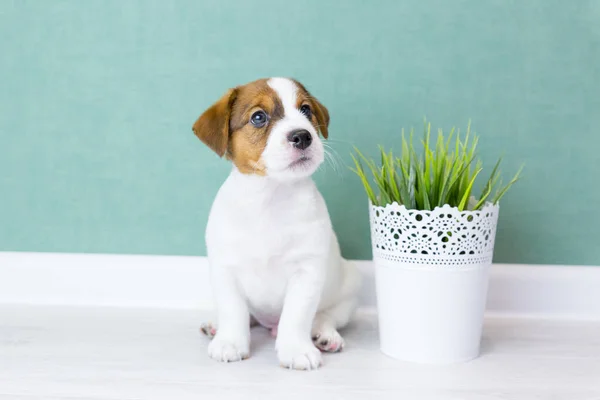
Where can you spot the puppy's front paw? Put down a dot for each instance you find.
(227, 350)
(299, 355)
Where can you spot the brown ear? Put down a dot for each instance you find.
(212, 127)
(322, 116)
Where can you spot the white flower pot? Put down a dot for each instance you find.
(432, 279)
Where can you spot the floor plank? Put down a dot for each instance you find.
(102, 353)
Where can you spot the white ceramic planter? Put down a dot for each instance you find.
(432, 280)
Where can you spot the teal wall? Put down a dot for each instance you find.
(97, 100)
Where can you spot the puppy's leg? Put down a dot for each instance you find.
(294, 346)
(231, 341)
(327, 322)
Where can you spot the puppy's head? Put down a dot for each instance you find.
(268, 127)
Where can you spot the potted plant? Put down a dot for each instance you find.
(433, 244)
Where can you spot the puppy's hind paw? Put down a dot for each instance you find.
(209, 329)
(329, 341)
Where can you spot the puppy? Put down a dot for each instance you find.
(274, 257)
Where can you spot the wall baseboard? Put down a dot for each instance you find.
(182, 282)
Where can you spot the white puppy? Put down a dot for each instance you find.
(274, 257)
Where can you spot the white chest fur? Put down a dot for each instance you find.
(275, 256)
(263, 230)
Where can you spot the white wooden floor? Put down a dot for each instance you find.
(102, 353)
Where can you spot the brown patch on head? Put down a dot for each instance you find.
(248, 141)
(320, 114)
(225, 127)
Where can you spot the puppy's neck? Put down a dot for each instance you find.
(257, 186)
(258, 197)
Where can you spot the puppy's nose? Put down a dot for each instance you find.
(300, 139)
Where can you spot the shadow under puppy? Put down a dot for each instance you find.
(274, 257)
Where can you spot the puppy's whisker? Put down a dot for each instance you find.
(336, 158)
(336, 140)
(331, 160)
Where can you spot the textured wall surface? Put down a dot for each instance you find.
(98, 98)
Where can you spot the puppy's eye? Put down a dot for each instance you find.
(259, 119)
(305, 109)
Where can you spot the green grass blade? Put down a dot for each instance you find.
(427, 160)
(404, 193)
(487, 189)
(503, 191)
(367, 186)
(421, 197)
(450, 136)
(411, 185)
(467, 193)
(387, 161)
(374, 171)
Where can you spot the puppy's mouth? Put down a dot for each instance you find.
(301, 161)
